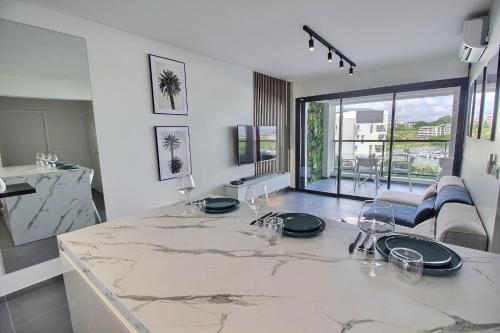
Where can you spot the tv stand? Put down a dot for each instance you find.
(274, 182)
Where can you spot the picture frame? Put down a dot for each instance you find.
(168, 85)
(173, 147)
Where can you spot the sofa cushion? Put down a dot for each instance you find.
(449, 180)
(429, 192)
(461, 225)
(426, 229)
(425, 210)
(450, 194)
(398, 197)
(403, 215)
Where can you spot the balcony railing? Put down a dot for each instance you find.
(421, 156)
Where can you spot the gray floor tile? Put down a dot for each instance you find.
(5, 321)
(37, 302)
(55, 321)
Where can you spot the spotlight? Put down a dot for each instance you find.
(330, 56)
(311, 43)
(351, 71)
(341, 63)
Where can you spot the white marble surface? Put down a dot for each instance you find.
(166, 273)
(62, 202)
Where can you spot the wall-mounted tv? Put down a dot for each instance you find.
(266, 142)
(247, 146)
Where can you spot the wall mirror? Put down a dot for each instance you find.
(48, 148)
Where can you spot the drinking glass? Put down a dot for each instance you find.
(53, 160)
(406, 265)
(256, 198)
(38, 157)
(273, 228)
(44, 160)
(376, 217)
(185, 185)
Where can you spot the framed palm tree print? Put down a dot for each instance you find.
(168, 85)
(174, 151)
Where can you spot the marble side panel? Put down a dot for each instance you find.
(167, 273)
(62, 203)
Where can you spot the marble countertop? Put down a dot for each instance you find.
(167, 273)
(25, 170)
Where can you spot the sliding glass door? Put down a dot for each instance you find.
(322, 121)
(360, 143)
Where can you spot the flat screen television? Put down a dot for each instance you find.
(266, 142)
(247, 144)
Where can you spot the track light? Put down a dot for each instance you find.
(314, 36)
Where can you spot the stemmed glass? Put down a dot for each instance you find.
(53, 160)
(39, 157)
(256, 198)
(376, 217)
(44, 160)
(185, 185)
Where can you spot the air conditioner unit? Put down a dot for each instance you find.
(474, 39)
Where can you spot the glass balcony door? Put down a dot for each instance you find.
(321, 138)
(360, 143)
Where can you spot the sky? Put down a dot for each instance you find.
(414, 109)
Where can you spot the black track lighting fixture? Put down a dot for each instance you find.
(331, 49)
(311, 43)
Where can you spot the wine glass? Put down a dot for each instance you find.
(406, 265)
(185, 185)
(376, 217)
(256, 198)
(44, 159)
(53, 160)
(38, 157)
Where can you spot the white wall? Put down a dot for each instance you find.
(219, 96)
(42, 87)
(484, 188)
(68, 131)
(425, 70)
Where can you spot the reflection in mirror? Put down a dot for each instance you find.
(48, 148)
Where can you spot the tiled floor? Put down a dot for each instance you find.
(366, 189)
(38, 309)
(44, 309)
(22, 256)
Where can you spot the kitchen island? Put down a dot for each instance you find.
(62, 202)
(162, 272)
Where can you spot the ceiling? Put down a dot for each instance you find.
(267, 36)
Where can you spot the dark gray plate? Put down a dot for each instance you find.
(454, 266)
(220, 211)
(302, 225)
(434, 254)
(221, 203)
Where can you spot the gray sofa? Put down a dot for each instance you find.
(444, 212)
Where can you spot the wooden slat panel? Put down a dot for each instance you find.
(272, 108)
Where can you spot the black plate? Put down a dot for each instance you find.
(221, 203)
(454, 266)
(434, 254)
(302, 225)
(220, 211)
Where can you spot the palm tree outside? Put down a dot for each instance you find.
(170, 85)
(172, 143)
